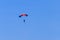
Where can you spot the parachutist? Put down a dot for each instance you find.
(24, 20)
(23, 15)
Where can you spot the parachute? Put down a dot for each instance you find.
(23, 15)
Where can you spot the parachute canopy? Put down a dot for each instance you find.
(23, 15)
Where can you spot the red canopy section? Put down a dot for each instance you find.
(23, 15)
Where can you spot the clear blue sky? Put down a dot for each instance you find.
(43, 22)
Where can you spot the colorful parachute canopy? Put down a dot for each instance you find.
(23, 15)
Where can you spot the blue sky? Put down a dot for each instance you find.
(43, 22)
